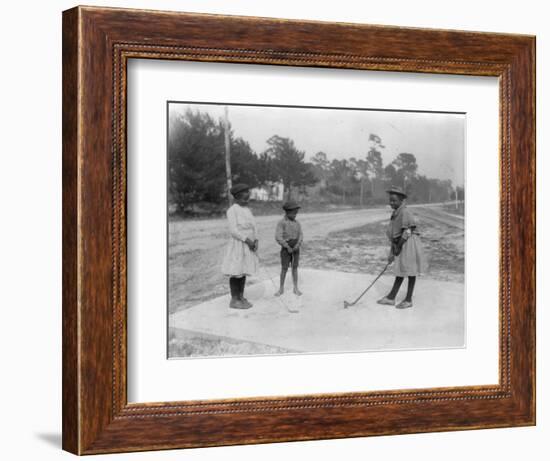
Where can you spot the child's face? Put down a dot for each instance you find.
(291, 214)
(242, 197)
(395, 201)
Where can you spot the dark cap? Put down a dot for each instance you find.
(290, 205)
(397, 191)
(239, 188)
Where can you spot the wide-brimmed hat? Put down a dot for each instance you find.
(241, 187)
(290, 205)
(397, 191)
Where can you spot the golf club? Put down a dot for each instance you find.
(348, 304)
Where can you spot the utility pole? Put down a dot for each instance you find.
(227, 157)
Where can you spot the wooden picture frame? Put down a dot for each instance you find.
(97, 43)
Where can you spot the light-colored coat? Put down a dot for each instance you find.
(239, 259)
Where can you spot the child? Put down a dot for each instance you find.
(406, 249)
(289, 235)
(240, 258)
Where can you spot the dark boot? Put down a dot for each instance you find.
(242, 283)
(234, 286)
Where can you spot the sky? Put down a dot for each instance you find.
(436, 139)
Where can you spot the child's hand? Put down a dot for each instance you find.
(391, 258)
(250, 244)
(256, 243)
(290, 249)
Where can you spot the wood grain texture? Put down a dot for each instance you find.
(97, 43)
(70, 383)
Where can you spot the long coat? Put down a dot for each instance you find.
(238, 259)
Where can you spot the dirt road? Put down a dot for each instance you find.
(203, 234)
(196, 247)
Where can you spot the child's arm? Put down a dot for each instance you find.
(409, 224)
(234, 230)
(300, 237)
(279, 236)
(399, 244)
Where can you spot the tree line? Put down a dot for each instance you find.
(197, 175)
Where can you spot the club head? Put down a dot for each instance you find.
(346, 304)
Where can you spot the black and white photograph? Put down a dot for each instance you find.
(295, 230)
(275, 230)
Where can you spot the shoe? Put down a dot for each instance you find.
(238, 304)
(387, 301)
(246, 302)
(404, 305)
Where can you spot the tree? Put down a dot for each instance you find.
(321, 166)
(420, 189)
(405, 167)
(441, 190)
(460, 193)
(286, 164)
(390, 174)
(343, 177)
(374, 156)
(374, 163)
(245, 165)
(196, 169)
(361, 168)
(376, 140)
(196, 161)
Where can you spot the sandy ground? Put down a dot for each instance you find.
(364, 249)
(352, 241)
(321, 323)
(196, 249)
(342, 252)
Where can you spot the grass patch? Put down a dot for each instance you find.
(184, 343)
(364, 249)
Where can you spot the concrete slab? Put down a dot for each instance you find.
(437, 319)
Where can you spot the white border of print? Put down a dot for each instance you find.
(153, 378)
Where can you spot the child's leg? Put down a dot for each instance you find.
(395, 289)
(295, 262)
(284, 270)
(234, 287)
(407, 302)
(285, 261)
(242, 283)
(295, 281)
(410, 288)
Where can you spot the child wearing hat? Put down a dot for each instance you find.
(289, 235)
(240, 258)
(406, 249)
